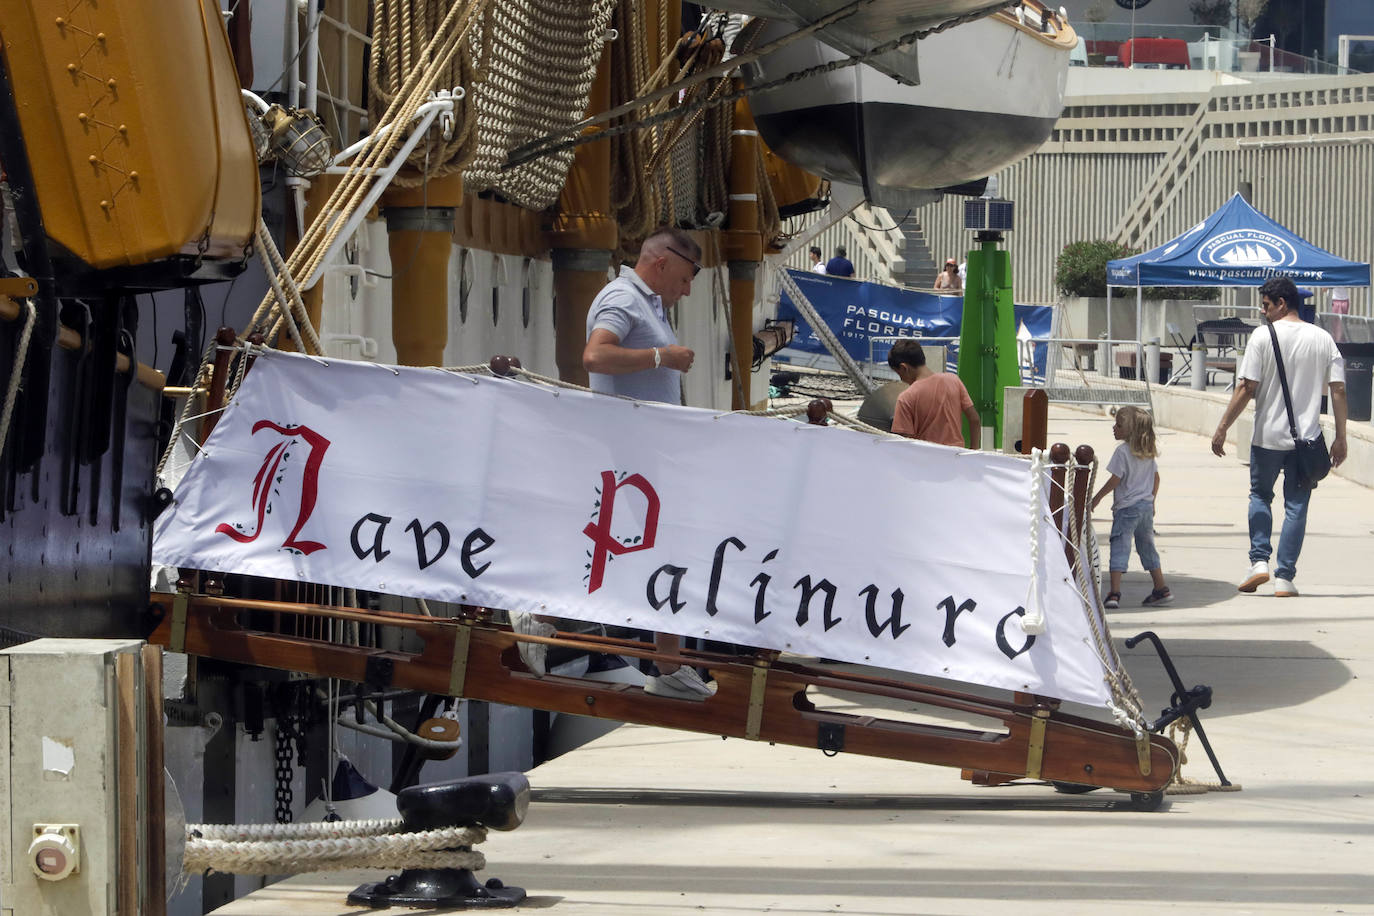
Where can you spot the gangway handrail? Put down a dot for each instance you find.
(1109, 390)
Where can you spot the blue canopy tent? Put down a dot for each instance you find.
(1235, 246)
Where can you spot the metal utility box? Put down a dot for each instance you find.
(75, 764)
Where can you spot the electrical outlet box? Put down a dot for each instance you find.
(72, 714)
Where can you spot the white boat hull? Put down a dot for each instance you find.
(990, 94)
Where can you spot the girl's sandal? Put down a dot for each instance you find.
(1158, 596)
(1113, 600)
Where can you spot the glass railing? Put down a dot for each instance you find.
(1209, 48)
(1121, 31)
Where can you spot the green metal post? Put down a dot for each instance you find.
(987, 339)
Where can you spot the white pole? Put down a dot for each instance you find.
(312, 56)
(1151, 374)
(1139, 298)
(293, 70)
(1134, 50)
(1109, 312)
(1199, 366)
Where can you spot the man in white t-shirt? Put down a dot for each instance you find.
(1310, 361)
(817, 260)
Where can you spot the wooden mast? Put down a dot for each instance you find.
(583, 237)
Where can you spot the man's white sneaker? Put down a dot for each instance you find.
(1285, 589)
(1258, 575)
(533, 654)
(682, 684)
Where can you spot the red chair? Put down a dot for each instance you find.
(1156, 53)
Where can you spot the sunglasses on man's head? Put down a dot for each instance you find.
(696, 268)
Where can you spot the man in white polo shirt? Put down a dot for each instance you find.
(1311, 362)
(631, 348)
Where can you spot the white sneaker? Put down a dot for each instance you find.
(1285, 589)
(533, 654)
(1258, 575)
(682, 684)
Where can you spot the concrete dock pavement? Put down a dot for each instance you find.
(652, 821)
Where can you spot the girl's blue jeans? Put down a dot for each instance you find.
(1135, 521)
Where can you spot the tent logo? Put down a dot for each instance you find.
(1247, 248)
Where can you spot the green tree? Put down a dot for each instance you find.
(1082, 267)
(1082, 271)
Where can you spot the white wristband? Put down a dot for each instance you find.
(658, 358)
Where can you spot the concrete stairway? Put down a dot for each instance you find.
(921, 267)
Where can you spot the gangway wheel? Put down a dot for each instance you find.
(1147, 801)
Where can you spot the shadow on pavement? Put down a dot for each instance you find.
(1245, 676)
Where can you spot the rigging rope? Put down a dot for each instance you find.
(541, 58)
(402, 26)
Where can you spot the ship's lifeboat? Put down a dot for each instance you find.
(990, 92)
(863, 26)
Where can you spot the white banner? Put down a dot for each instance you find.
(748, 530)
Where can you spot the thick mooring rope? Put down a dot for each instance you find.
(281, 849)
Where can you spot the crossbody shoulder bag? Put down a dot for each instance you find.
(1314, 461)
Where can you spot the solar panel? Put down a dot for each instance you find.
(989, 215)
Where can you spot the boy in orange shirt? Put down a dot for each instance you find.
(931, 406)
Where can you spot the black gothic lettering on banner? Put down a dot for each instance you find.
(431, 543)
(651, 590)
(660, 594)
(893, 621)
(951, 614)
(378, 554)
(422, 542)
(762, 580)
(1002, 643)
(717, 566)
(476, 542)
(804, 606)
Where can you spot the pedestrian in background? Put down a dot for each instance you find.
(817, 265)
(839, 265)
(1311, 361)
(949, 277)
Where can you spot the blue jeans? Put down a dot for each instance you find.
(1265, 464)
(1135, 521)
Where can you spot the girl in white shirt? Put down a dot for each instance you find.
(1135, 480)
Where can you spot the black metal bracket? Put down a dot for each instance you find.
(78, 407)
(118, 425)
(830, 738)
(378, 672)
(1183, 702)
(437, 887)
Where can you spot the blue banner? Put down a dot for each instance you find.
(856, 312)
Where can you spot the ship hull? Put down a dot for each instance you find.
(991, 93)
